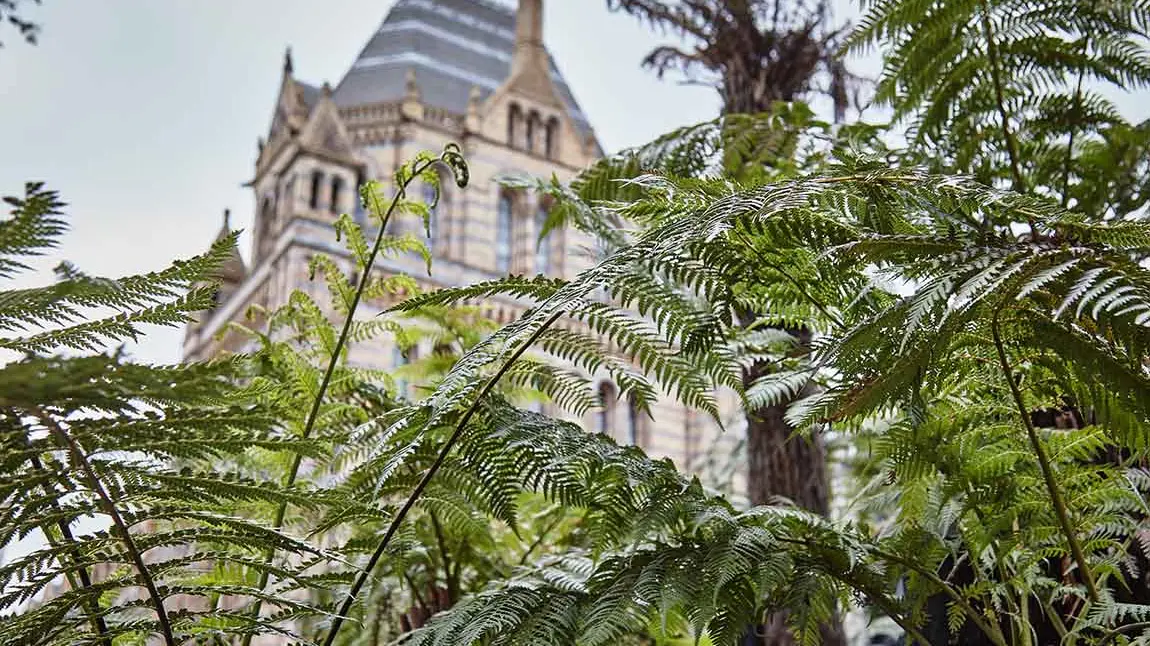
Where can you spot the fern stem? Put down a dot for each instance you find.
(1082, 615)
(990, 630)
(1019, 182)
(452, 584)
(1074, 110)
(92, 604)
(539, 540)
(313, 414)
(85, 467)
(1044, 464)
(892, 612)
(1114, 634)
(360, 580)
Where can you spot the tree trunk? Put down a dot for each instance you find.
(781, 464)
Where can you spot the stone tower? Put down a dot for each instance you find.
(472, 72)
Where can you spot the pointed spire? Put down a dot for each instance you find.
(233, 270)
(528, 36)
(530, 66)
(474, 103)
(529, 22)
(412, 106)
(288, 66)
(227, 226)
(411, 86)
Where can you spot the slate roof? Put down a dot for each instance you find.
(310, 94)
(452, 45)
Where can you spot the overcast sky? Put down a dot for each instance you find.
(144, 114)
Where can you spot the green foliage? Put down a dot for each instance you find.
(938, 330)
(112, 464)
(12, 14)
(1011, 90)
(1060, 313)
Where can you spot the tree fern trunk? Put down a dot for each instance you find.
(781, 464)
(778, 465)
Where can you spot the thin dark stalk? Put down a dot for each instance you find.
(1113, 634)
(880, 601)
(80, 461)
(1019, 181)
(415, 593)
(906, 626)
(1055, 620)
(313, 414)
(539, 540)
(990, 630)
(1045, 466)
(452, 588)
(92, 605)
(1075, 109)
(1072, 634)
(360, 580)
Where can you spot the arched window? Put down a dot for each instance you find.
(514, 125)
(533, 127)
(428, 198)
(400, 358)
(543, 251)
(607, 397)
(267, 217)
(360, 214)
(503, 224)
(316, 184)
(633, 420)
(287, 203)
(336, 189)
(551, 138)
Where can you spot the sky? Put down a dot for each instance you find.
(144, 114)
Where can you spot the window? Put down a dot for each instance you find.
(514, 125)
(503, 234)
(633, 420)
(551, 138)
(316, 184)
(265, 227)
(429, 199)
(543, 251)
(287, 204)
(336, 188)
(532, 129)
(400, 358)
(360, 214)
(607, 397)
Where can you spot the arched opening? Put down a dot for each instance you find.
(634, 421)
(316, 185)
(543, 250)
(438, 202)
(551, 138)
(267, 220)
(429, 198)
(359, 213)
(336, 190)
(514, 125)
(503, 232)
(607, 398)
(534, 125)
(287, 202)
(400, 358)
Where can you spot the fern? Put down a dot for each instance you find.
(131, 446)
(997, 88)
